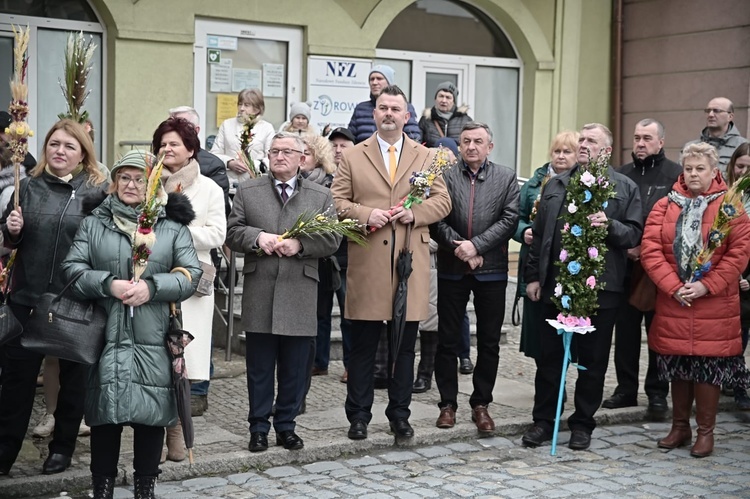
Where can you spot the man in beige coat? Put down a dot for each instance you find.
(371, 180)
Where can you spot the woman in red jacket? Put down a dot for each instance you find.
(696, 328)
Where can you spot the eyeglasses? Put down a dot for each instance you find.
(714, 110)
(125, 180)
(285, 152)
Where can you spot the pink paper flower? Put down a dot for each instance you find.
(591, 281)
(587, 179)
(584, 321)
(558, 290)
(563, 255)
(593, 252)
(566, 227)
(570, 321)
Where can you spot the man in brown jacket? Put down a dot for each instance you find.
(371, 180)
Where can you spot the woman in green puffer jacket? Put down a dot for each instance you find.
(132, 382)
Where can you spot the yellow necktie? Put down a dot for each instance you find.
(392, 164)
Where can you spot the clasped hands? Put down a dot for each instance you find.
(378, 218)
(689, 292)
(132, 294)
(270, 244)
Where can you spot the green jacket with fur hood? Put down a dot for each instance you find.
(132, 382)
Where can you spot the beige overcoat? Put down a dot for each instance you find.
(361, 184)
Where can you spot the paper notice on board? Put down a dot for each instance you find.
(245, 78)
(273, 80)
(220, 76)
(226, 107)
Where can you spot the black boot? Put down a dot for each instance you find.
(144, 487)
(104, 486)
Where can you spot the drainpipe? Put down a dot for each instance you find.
(617, 78)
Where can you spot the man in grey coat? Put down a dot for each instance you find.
(279, 302)
(720, 131)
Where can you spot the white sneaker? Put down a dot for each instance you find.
(84, 430)
(45, 427)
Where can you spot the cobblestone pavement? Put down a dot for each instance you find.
(622, 462)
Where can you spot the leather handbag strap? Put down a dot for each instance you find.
(68, 285)
(440, 130)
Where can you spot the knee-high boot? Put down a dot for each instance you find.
(706, 405)
(682, 406)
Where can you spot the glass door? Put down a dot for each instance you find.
(428, 75)
(230, 57)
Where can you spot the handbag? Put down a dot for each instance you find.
(9, 326)
(642, 290)
(206, 282)
(64, 327)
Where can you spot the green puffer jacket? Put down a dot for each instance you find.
(132, 382)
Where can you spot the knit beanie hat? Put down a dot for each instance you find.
(133, 159)
(388, 73)
(300, 109)
(447, 86)
(450, 143)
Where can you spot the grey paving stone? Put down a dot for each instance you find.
(240, 478)
(463, 447)
(434, 451)
(581, 488)
(197, 484)
(282, 471)
(322, 466)
(397, 457)
(362, 461)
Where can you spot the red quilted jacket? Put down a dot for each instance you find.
(711, 326)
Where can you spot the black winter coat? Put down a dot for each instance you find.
(654, 175)
(450, 128)
(52, 211)
(624, 231)
(213, 167)
(485, 211)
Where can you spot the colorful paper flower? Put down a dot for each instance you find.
(587, 179)
(574, 267)
(591, 281)
(565, 300)
(587, 196)
(572, 208)
(558, 290)
(563, 255)
(593, 252)
(576, 230)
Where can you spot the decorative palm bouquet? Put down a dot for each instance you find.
(581, 258)
(144, 237)
(246, 138)
(422, 181)
(79, 60)
(731, 208)
(314, 224)
(18, 131)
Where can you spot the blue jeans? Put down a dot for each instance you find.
(201, 387)
(323, 340)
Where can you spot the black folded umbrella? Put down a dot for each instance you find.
(177, 339)
(403, 269)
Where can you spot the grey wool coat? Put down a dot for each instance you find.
(279, 294)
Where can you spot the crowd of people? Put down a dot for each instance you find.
(458, 236)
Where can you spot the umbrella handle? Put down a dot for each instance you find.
(183, 271)
(407, 243)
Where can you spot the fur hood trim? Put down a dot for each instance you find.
(462, 109)
(179, 208)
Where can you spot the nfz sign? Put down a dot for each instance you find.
(341, 68)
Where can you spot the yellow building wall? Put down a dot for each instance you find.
(564, 46)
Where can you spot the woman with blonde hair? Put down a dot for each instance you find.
(696, 327)
(563, 157)
(319, 165)
(228, 143)
(53, 200)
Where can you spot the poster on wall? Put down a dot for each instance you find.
(335, 85)
(273, 80)
(220, 76)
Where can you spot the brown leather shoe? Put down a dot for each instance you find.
(317, 371)
(482, 418)
(447, 418)
(345, 376)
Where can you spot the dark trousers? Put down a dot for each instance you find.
(589, 350)
(360, 387)
(21, 368)
(105, 449)
(325, 309)
(290, 356)
(628, 353)
(489, 305)
(464, 351)
(428, 342)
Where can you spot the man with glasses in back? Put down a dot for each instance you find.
(720, 131)
(286, 272)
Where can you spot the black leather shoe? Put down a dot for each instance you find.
(536, 436)
(579, 440)
(289, 440)
(421, 385)
(258, 441)
(357, 430)
(402, 428)
(657, 407)
(381, 383)
(4, 470)
(465, 366)
(55, 463)
(619, 400)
